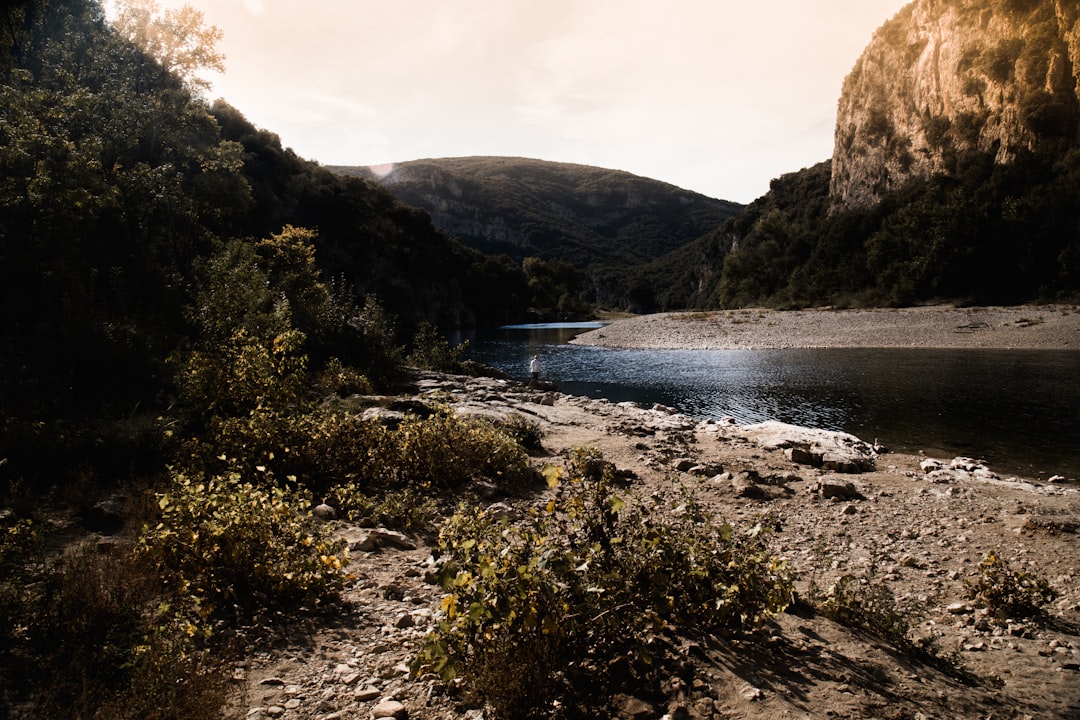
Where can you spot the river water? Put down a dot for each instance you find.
(1019, 410)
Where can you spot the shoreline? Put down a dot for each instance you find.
(1025, 327)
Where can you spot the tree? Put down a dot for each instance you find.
(175, 37)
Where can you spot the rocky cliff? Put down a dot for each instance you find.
(948, 78)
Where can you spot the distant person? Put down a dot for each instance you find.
(534, 368)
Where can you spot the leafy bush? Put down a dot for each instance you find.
(408, 509)
(447, 451)
(525, 431)
(233, 545)
(90, 635)
(861, 601)
(431, 351)
(1008, 593)
(583, 582)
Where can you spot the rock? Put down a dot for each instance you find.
(684, 464)
(632, 708)
(404, 621)
(106, 516)
(324, 512)
(366, 693)
(392, 538)
(390, 418)
(390, 709)
(502, 511)
(843, 452)
(960, 608)
(836, 489)
(802, 456)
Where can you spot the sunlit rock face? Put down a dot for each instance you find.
(944, 78)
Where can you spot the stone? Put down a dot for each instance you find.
(106, 516)
(366, 693)
(628, 707)
(837, 489)
(324, 512)
(404, 621)
(839, 451)
(960, 608)
(802, 456)
(390, 709)
(392, 538)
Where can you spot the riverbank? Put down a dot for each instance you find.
(837, 508)
(940, 326)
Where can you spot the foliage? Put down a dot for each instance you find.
(446, 451)
(89, 635)
(233, 546)
(583, 581)
(526, 432)
(431, 351)
(175, 37)
(408, 509)
(1007, 593)
(863, 601)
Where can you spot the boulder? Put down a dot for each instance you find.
(836, 451)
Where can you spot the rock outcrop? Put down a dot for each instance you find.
(946, 78)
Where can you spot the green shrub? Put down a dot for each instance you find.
(338, 379)
(584, 581)
(1008, 593)
(862, 601)
(408, 509)
(446, 451)
(431, 351)
(526, 432)
(233, 546)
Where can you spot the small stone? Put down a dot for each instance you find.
(275, 711)
(960, 608)
(390, 709)
(850, 509)
(366, 693)
(404, 621)
(324, 512)
(272, 681)
(292, 704)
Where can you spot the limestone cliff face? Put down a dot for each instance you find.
(947, 77)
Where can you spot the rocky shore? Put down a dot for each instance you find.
(920, 526)
(940, 326)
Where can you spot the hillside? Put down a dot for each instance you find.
(577, 213)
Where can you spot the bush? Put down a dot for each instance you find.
(431, 351)
(233, 546)
(1008, 593)
(860, 601)
(586, 581)
(91, 635)
(446, 451)
(408, 509)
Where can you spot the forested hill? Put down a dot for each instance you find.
(577, 213)
(145, 234)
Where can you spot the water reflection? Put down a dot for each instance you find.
(1019, 410)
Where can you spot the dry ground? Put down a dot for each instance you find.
(923, 538)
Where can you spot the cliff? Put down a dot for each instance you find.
(947, 78)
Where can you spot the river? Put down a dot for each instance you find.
(1019, 410)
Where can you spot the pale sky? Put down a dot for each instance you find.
(715, 96)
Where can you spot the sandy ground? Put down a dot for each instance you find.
(1046, 327)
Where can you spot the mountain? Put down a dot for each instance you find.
(576, 213)
(947, 78)
(955, 177)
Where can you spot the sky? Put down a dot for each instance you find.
(714, 96)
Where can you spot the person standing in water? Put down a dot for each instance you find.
(534, 368)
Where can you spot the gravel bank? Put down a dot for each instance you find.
(1043, 327)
